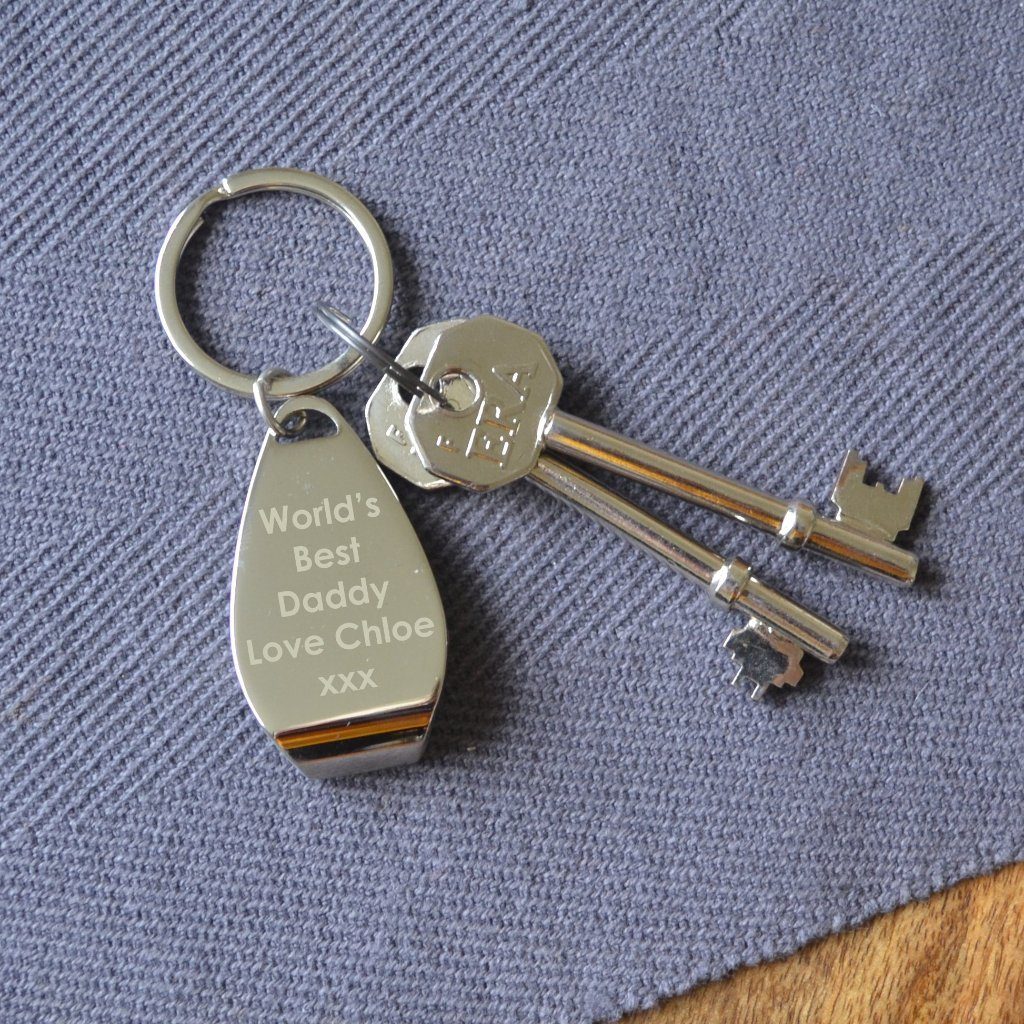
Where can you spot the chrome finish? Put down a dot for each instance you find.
(270, 179)
(795, 523)
(874, 511)
(488, 446)
(729, 584)
(337, 628)
(496, 437)
(729, 581)
(493, 441)
(763, 658)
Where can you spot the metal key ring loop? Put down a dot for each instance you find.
(271, 179)
(293, 425)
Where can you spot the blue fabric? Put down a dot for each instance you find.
(754, 233)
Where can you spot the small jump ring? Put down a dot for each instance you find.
(292, 425)
(263, 180)
(332, 317)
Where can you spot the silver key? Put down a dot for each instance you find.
(782, 627)
(523, 419)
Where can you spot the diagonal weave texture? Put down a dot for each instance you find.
(754, 233)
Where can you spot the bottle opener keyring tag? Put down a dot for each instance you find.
(337, 628)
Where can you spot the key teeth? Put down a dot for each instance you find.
(764, 658)
(874, 509)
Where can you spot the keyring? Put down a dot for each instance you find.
(333, 318)
(271, 179)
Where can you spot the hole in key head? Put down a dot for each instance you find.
(461, 390)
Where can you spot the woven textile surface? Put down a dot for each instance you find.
(754, 233)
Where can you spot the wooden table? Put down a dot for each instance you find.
(957, 958)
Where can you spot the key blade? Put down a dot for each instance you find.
(874, 510)
(763, 658)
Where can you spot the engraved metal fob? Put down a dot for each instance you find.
(337, 629)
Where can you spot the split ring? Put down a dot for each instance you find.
(290, 426)
(271, 179)
(332, 317)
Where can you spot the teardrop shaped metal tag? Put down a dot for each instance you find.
(337, 627)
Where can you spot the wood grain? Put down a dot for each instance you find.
(957, 958)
